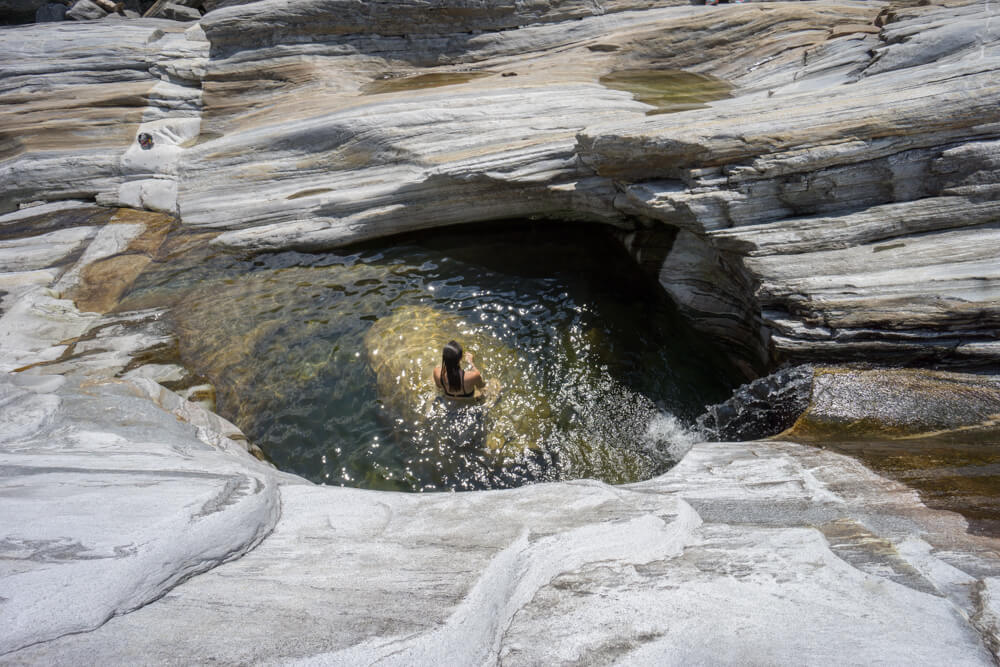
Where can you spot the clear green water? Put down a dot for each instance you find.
(420, 81)
(669, 90)
(324, 360)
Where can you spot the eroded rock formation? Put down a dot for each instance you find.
(840, 206)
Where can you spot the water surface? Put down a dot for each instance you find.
(669, 90)
(396, 84)
(599, 376)
(957, 471)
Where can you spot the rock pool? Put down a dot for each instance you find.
(324, 360)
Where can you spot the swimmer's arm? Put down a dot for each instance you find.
(474, 377)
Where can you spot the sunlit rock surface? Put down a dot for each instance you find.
(75, 96)
(113, 494)
(863, 403)
(842, 205)
(861, 206)
(795, 547)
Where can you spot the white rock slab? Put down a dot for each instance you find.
(109, 501)
(752, 553)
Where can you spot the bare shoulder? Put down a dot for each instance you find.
(437, 375)
(474, 379)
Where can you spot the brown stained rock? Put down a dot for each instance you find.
(746, 36)
(936, 432)
(854, 404)
(99, 115)
(157, 226)
(103, 282)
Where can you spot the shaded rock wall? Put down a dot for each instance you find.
(862, 209)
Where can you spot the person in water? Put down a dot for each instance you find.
(456, 382)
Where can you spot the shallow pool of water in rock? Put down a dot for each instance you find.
(957, 471)
(396, 84)
(325, 359)
(669, 90)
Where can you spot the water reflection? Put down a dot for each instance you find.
(325, 360)
(669, 90)
(396, 84)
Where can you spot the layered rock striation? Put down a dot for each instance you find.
(840, 206)
(863, 213)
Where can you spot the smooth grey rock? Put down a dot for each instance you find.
(797, 546)
(85, 10)
(859, 202)
(91, 153)
(71, 559)
(320, 18)
(293, 152)
(177, 12)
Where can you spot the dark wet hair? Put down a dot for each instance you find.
(451, 357)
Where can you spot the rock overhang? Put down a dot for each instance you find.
(773, 176)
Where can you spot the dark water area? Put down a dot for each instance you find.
(324, 360)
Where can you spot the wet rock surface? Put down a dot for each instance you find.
(937, 432)
(898, 403)
(762, 408)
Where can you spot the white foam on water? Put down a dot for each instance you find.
(666, 436)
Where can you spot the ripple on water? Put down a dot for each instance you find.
(324, 359)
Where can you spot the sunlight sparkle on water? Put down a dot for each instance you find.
(583, 351)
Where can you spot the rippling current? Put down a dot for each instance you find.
(324, 360)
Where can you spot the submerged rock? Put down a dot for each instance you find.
(403, 350)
